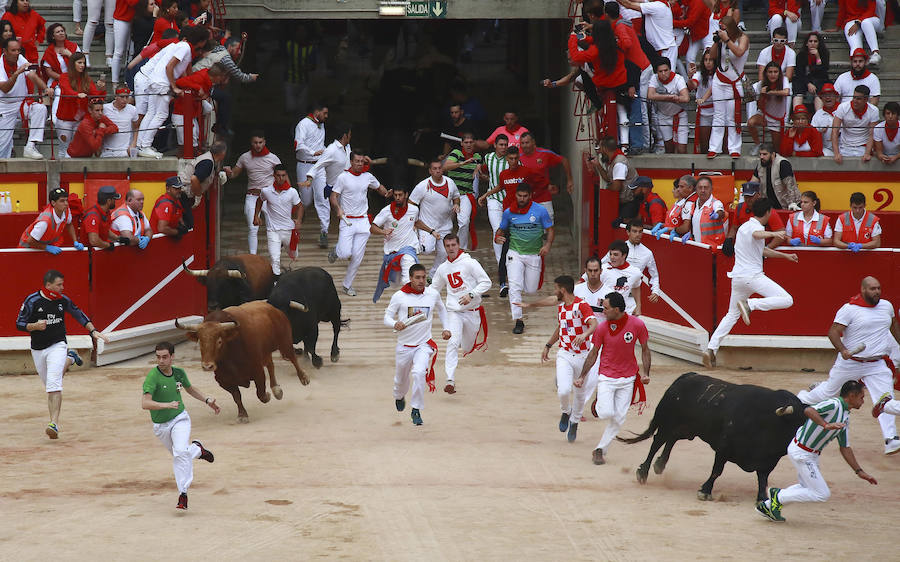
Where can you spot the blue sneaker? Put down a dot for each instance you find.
(573, 432)
(563, 422)
(416, 417)
(400, 404)
(75, 357)
(52, 431)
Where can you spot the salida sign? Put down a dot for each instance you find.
(426, 9)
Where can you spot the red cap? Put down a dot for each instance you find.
(827, 88)
(801, 109)
(125, 91)
(859, 52)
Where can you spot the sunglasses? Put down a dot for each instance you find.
(779, 40)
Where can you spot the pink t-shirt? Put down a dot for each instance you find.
(513, 136)
(617, 339)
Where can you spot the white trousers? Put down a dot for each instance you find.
(463, 220)
(412, 366)
(572, 399)
(613, 400)
(175, 436)
(549, 206)
(723, 117)
(76, 11)
(50, 364)
(666, 128)
(315, 194)
(811, 486)
(178, 122)
(351, 245)
(158, 99)
(869, 29)
(65, 132)
(695, 49)
(430, 244)
(252, 231)
(523, 274)
(276, 239)
(646, 74)
(141, 99)
(848, 150)
(495, 214)
(9, 122)
(875, 375)
(774, 298)
(93, 20)
(122, 39)
(817, 11)
(463, 326)
(406, 262)
(779, 20)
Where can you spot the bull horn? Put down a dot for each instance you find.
(228, 325)
(379, 161)
(298, 306)
(189, 328)
(236, 274)
(415, 162)
(784, 411)
(195, 272)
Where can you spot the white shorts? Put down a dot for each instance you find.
(669, 131)
(51, 365)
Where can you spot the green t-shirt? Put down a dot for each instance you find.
(464, 175)
(166, 389)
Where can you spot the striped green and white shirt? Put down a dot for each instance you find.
(815, 437)
(495, 164)
(464, 176)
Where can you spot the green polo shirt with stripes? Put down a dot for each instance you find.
(495, 164)
(813, 436)
(463, 175)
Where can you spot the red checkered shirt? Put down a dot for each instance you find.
(573, 321)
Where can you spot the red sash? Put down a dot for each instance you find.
(429, 376)
(473, 236)
(639, 394)
(738, 98)
(482, 345)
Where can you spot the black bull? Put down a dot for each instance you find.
(748, 425)
(307, 296)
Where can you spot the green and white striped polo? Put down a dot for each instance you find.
(815, 437)
(495, 164)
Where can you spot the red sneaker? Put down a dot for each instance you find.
(735, 154)
(711, 155)
(182, 502)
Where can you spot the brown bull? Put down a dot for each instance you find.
(237, 342)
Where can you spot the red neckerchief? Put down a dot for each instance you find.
(466, 156)
(53, 295)
(692, 197)
(625, 265)
(812, 60)
(891, 131)
(723, 11)
(355, 173)
(858, 114)
(514, 209)
(859, 301)
(408, 289)
(618, 151)
(779, 58)
(829, 111)
(10, 68)
(865, 74)
(282, 187)
(669, 81)
(801, 136)
(616, 326)
(261, 153)
(312, 118)
(461, 252)
(395, 209)
(442, 189)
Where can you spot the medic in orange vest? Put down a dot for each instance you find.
(857, 229)
(47, 229)
(129, 223)
(808, 226)
(685, 199)
(709, 222)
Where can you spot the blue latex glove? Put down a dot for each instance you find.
(715, 215)
(78, 246)
(852, 246)
(686, 237)
(53, 249)
(815, 239)
(796, 241)
(143, 241)
(664, 230)
(656, 227)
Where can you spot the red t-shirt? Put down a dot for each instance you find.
(96, 220)
(166, 209)
(775, 221)
(540, 161)
(510, 180)
(618, 339)
(513, 135)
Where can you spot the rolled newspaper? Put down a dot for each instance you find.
(414, 319)
(445, 136)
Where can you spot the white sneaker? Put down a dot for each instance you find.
(349, 291)
(892, 446)
(744, 307)
(109, 62)
(875, 58)
(31, 152)
(709, 359)
(149, 152)
(659, 150)
(755, 150)
(741, 26)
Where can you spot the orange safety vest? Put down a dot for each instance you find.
(123, 210)
(865, 229)
(673, 218)
(798, 225)
(712, 232)
(52, 234)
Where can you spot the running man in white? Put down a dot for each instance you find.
(332, 162)
(397, 223)
(284, 213)
(747, 277)
(410, 314)
(171, 422)
(260, 164)
(576, 325)
(350, 199)
(618, 275)
(618, 384)
(864, 331)
(465, 281)
(494, 163)
(309, 145)
(640, 257)
(438, 201)
(827, 419)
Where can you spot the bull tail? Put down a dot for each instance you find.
(642, 436)
(345, 323)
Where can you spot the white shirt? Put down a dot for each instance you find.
(620, 171)
(124, 119)
(701, 89)
(404, 233)
(621, 281)
(748, 251)
(697, 210)
(180, 51)
(461, 276)
(260, 169)
(866, 325)
(642, 258)
(855, 130)
(19, 89)
(404, 305)
(687, 207)
(776, 106)
(63, 64)
(593, 298)
(435, 210)
(822, 120)
(335, 160)
(889, 147)
(845, 84)
(789, 60)
(279, 207)
(124, 223)
(658, 25)
(675, 85)
(354, 192)
(41, 227)
(807, 224)
(309, 138)
(839, 226)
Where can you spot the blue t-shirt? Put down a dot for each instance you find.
(526, 230)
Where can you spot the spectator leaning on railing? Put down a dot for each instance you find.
(824, 117)
(886, 140)
(808, 226)
(46, 231)
(168, 211)
(129, 223)
(91, 132)
(851, 130)
(857, 229)
(98, 219)
(125, 117)
(801, 139)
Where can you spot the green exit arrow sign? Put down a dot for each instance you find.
(426, 9)
(438, 9)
